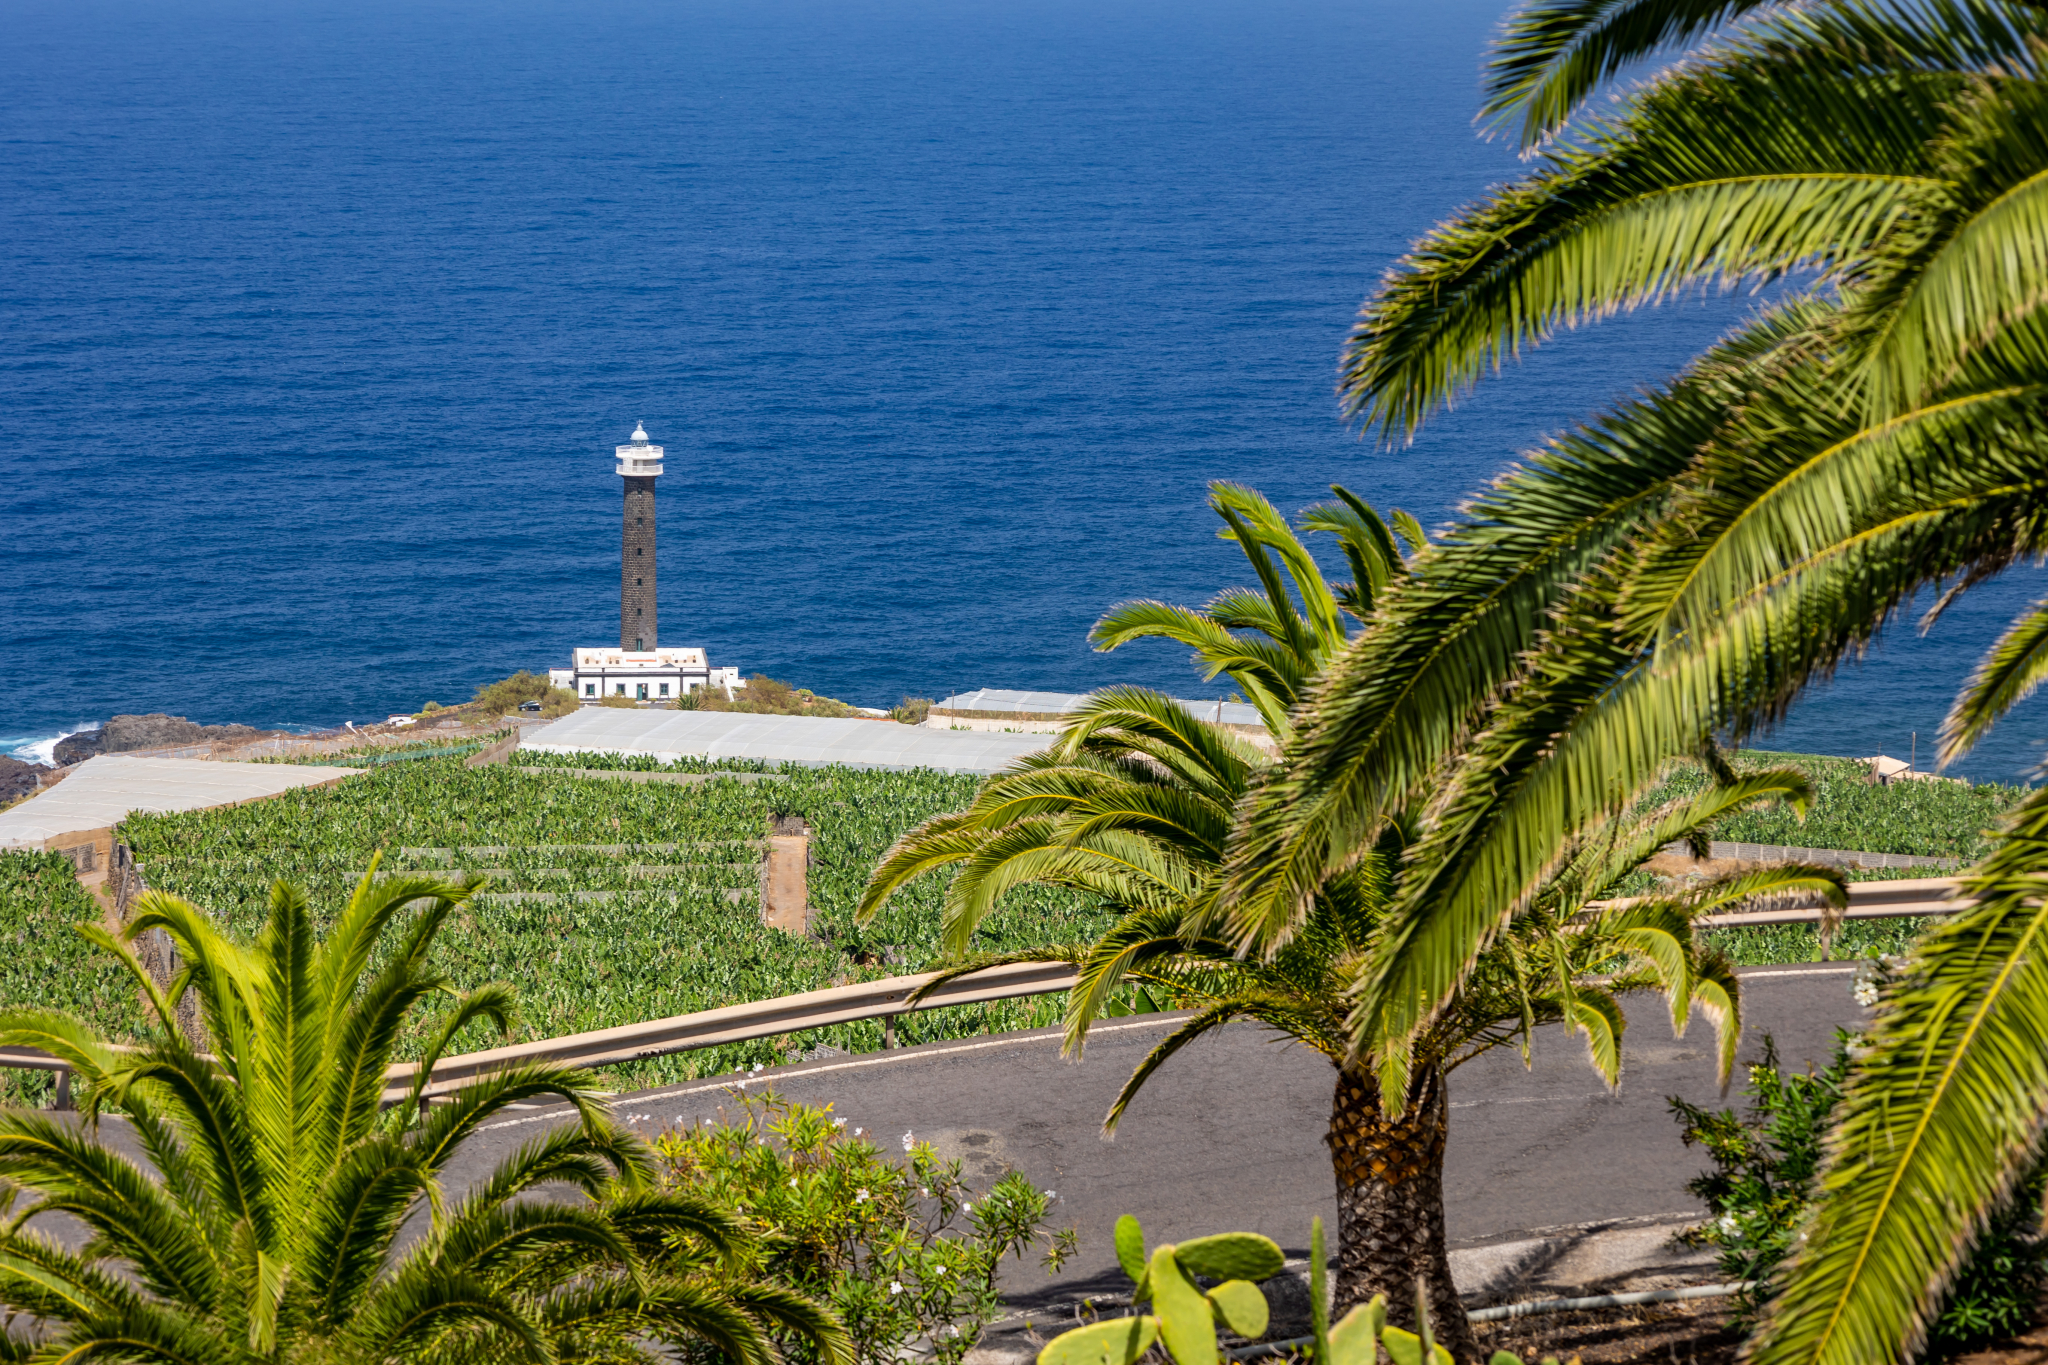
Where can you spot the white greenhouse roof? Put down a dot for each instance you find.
(106, 788)
(806, 740)
(1054, 703)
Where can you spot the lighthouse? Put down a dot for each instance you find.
(639, 671)
(639, 465)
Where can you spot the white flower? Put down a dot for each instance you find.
(923, 1191)
(1052, 1194)
(860, 1196)
(840, 1122)
(967, 1208)
(908, 1140)
(856, 1132)
(939, 1270)
(792, 1182)
(1865, 993)
(1727, 1224)
(895, 1288)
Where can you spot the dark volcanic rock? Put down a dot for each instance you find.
(79, 747)
(154, 731)
(18, 779)
(126, 734)
(233, 734)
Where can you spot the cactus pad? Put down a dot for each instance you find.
(1231, 1256)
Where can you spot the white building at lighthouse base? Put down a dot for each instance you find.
(654, 677)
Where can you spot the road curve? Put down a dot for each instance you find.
(1228, 1136)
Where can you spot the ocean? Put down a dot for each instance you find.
(319, 321)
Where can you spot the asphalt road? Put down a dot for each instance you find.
(1228, 1136)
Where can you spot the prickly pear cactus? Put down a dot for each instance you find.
(1183, 1314)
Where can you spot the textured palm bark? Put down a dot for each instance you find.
(1390, 1206)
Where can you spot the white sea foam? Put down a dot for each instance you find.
(43, 751)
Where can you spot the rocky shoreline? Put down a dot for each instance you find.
(126, 734)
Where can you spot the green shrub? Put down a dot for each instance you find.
(911, 710)
(900, 1247)
(506, 694)
(1762, 1186)
(765, 696)
(618, 701)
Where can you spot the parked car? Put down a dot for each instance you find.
(532, 706)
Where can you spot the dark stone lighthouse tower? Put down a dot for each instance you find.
(639, 466)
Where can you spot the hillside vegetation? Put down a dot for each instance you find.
(1932, 818)
(612, 902)
(1936, 818)
(47, 964)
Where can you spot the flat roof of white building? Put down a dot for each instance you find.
(1055, 703)
(105, 789)
(809, 741)
(598, 656)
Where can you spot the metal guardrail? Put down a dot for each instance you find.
(739, 1023)
(888, 997)
(1867, 900)
(688, 1032)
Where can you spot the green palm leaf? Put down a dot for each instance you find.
(1944, 1109)
(2015, 666)
(1553, 54)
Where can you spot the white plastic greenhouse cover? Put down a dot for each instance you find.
(106, 788)
(1053, 703)
(806, 740)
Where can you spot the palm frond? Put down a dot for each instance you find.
(1768, 157)
(1381, 723)
(1944, 1108)
(492, 1002)
(2010, 672)
(1553, 54)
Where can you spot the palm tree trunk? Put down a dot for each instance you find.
(1390, 1205)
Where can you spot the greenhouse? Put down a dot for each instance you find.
(989, 700)
(103, 790)
(805, 740)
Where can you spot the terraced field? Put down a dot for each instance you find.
(43, 961)
(610, 901)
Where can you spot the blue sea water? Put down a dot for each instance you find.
(318, 322)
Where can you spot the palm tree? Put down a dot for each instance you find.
(270, 1228)
(1135, 804)
(1696, 557)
